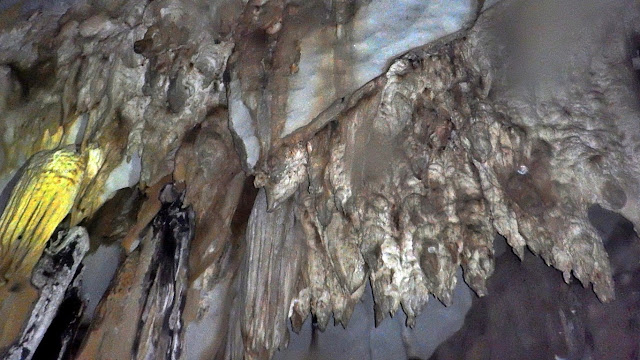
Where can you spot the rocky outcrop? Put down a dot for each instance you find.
(313, 149)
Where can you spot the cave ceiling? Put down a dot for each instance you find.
(314, 150)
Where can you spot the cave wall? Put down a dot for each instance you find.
(322, 150)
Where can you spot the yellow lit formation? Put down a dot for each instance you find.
(41, 199)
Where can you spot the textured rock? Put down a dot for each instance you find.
(40, 200)
(381, 154)
(300, 63)
(335, 61)
(133, 73)
(53, 276)
(150, 327)
(268, 278)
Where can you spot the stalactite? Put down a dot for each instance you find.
(316, 151)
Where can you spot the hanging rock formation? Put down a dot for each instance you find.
(316, 147)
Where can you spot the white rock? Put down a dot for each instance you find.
(98, 25)
(242, 125)
(382, 30)
(123, 176)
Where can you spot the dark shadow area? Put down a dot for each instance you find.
(6, 192)
(57, 341)
(391, 339)
(612, 227)
(530, 313)
(245, 205)
(113, 220)
(634, 57)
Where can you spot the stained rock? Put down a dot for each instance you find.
(157, 275)
(54, 278)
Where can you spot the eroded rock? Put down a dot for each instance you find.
(384, 154)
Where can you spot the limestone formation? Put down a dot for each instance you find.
(263, 162)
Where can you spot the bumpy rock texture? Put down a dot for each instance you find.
(398, 171)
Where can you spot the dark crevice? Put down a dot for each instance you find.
(112, 220)
(634, 57)
(243, 210)
(614, 229)
(40, 75)
(63, 329)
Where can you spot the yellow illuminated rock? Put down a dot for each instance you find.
(42, 197)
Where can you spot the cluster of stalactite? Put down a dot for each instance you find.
(405, 188)
(398, 183)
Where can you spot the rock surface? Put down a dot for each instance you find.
(54, 278)
(318, 150)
